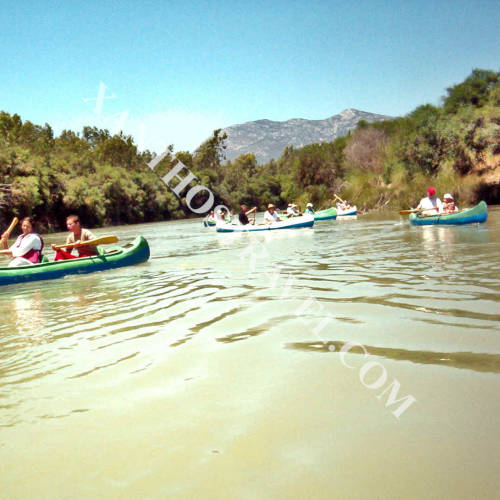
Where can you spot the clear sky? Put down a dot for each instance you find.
(176, 70)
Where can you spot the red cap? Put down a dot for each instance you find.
(431, 191)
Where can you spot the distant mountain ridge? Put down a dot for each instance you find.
(267, 139)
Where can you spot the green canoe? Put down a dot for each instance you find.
(476, 214)
(329, 213)
(326, 214)
(115, 256)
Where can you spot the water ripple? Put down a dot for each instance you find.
(200, 288)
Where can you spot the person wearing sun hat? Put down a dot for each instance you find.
(430, 205)
(449, 204)
(291, 210)
(309, 209)
(270, 217)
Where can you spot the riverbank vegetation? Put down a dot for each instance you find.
(106, 180)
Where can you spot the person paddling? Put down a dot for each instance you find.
(27, 249)
(244, 213)
(430, 205)
(77, 234)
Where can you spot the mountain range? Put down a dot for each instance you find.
(267, 139)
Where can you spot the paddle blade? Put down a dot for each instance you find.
(3, 241)
(103, 240)
(13, 224)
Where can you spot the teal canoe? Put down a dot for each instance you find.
(329, 213)
(476, 214)
(115, 256)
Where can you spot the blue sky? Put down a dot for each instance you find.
(175, 70)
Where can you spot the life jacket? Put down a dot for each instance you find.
(34, 256)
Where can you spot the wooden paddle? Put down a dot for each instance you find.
(415, 210)
(339, 198)
(103, 240)
(13, 224)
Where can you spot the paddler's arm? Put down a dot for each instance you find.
(89, 235)
(65, 249)
(53, 246)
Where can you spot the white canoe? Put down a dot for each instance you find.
(293, 223)
(349, 211)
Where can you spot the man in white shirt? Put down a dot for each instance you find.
(270, 217)
(430, 205)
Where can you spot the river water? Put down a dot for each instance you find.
(217, 369)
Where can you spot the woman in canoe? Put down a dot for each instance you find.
(77, 234)
(449, 204)
(309, 209)
(27, 250)
(210, 217)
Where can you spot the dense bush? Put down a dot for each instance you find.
(105, 179)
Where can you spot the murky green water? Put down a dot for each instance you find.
(214, 370)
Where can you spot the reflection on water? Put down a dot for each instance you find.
(480, 362)
(454, 234)
(28, 316)
(176, 335)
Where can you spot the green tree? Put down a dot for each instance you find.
(474, 90)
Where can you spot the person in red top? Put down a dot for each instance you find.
(77, 235)
(27, 250)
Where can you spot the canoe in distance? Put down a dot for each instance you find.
(293, 223)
